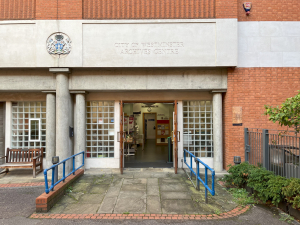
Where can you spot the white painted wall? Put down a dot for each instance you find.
(102, 163)
(269, 44)
(151, 123)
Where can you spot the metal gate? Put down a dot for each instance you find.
(277, 151)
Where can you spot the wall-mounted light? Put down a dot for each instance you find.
(247, 7)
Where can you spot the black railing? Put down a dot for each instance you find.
(277, 151)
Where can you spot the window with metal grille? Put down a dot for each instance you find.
(28, 125)
(100, 129)
(198, 128)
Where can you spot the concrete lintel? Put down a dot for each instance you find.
(60, 70)
(49, 92)
(78, 92)
(219, 91)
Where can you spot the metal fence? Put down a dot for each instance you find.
(277, 151)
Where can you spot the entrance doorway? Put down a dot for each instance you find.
(146, 129)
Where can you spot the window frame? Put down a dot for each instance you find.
(39, 129)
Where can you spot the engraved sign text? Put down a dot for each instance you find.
(148, 48)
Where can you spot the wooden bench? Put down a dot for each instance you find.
(23, 158)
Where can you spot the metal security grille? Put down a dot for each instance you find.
(198, 128)
(22, 113)
(100, 129)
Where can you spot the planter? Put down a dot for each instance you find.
(284, 206)
(294, 212)
(249, 189)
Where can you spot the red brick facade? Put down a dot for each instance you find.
(117, 9)
(226, 9)
(63, 9)
(148, 9)
(252, 88)
(17, 9)
(262, 10)
(270, 10)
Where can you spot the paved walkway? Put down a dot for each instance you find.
(140, 191)
(20, 176)
(18, 206)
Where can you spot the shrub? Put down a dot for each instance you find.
(241, 196)
(274, 188)
(258, 180)
(265, 184)
(238, 174)
(292, 192)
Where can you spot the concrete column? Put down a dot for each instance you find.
(50, 124)
(8, 134)
(79, 132)
(63, 112)
(217, 132)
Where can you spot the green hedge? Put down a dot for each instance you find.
(266, 185)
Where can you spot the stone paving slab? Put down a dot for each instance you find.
(176, 195)
(141, 191)
(153, 190)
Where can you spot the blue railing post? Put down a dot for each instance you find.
(206, 200)
(191, 160)
(64, 171)
(54, 168)
(52, 180)
(73, 165)
(83, 159)
(198, 175)
(46, 182)
(213, 182)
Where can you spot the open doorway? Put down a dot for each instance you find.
(146, 128)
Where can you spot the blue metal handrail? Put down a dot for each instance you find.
(55, 167)
(197, 173)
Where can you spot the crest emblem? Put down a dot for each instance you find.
(247, 7)
(59, 45)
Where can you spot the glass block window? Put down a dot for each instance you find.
(28, 125)
(198, 128)
(100, 129)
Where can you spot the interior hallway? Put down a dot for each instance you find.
(155, 156)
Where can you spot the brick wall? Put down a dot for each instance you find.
(262, 10)
(148, 9)
(17, 9)
(270, 10)
(252, 88)
(226, 9)
(62, 9)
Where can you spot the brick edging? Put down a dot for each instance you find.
(22, 185)
(235, 212)
(45, 201)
